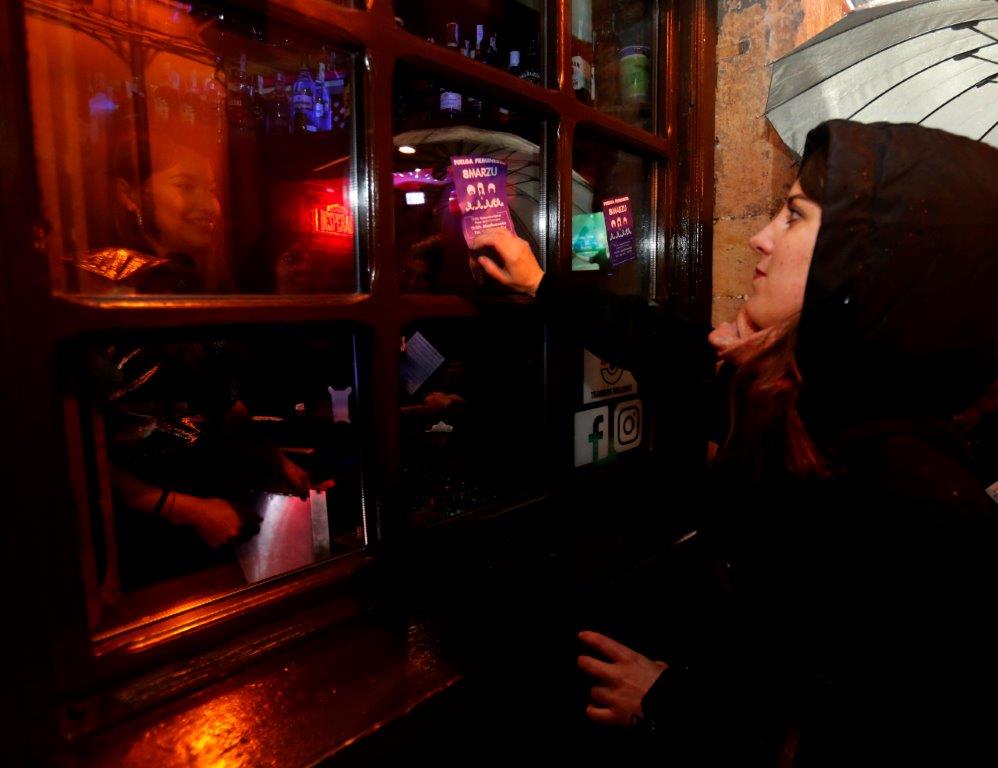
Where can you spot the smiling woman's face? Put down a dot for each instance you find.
(184, 202)
(785, 247)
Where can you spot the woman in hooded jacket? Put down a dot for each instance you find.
(851, 541)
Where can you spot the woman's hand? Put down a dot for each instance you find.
(737, 341)
(297, 477)
(621, 683)
(519, 270)
(215, 520)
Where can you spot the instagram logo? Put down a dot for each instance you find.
(627, 426)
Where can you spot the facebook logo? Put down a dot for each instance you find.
(592, 436)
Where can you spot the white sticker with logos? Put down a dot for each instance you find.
(592, 436)
(601, 380)
(628, 419)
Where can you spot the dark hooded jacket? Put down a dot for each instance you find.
(851, 620)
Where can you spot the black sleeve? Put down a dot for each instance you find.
(667, 352)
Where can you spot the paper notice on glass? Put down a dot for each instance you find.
(619, 230)
(284, 542)
(419, 361)
(480, 189)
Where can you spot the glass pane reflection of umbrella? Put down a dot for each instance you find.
(433, 149)
(933, 62)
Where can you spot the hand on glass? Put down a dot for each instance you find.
(519, 270)
(215, 520)
(296, 476)
(622, 682)
(737, 341)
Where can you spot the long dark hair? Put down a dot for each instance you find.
(768, 437)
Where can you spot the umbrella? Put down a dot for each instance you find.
(932, 62)
(434, 148)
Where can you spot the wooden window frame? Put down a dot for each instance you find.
(48, 530)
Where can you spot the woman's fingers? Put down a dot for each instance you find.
(602, 696)
(610, 648)
(596, 668)
(601, 715)
(492, 270)
(723, 336)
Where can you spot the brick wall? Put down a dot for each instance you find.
(752, 168)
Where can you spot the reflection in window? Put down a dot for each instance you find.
(436, 121)
(182, 149)
(472, 412)
(612, 57)
(505, 34)
(219, 462)
(612, 239)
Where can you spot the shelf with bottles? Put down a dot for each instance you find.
(220, 163)
(614, 60)
(506, 34)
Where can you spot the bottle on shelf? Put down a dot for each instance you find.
(606, 62)
(530, 69)
(303, 101)
(278, 108)
(491, 55)
(473, 104)
(323, 115)
(260, 105)
(214, 102)
(583, 77)
(191, 102)
(451, 102)
(503, 114)
(479, 41)
(166, 98)
(452, 35)
(635, 59)
(338, 88)
(239, 101)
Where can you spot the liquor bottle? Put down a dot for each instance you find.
(338, 88)
(101, 97)
(491, 55)
(303, 101)
(239, 101)
(635, 58)
(451, 102)
(452, 36)
(514, 62)
(191, 102)
(259, 106)
(278, 109)
(606, 62)
(531, 66)
(214, 102)
(166, 98)
(479, 40)
(323, 117)
(504, 114)
(583, 77)
(473, 104)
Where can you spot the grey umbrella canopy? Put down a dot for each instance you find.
(932, 62)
